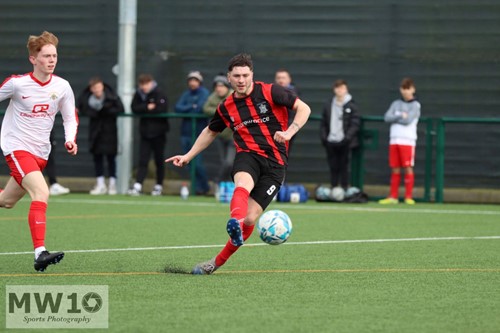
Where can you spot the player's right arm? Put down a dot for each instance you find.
(206, 137)
(392, 115)
(7, 89)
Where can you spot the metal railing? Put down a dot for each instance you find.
(369, 141)
(440, 146)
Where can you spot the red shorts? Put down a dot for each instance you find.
(22, 163)
(401, 156)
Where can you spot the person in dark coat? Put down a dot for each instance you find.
(102, 105)
(149, 99)
(340, 124)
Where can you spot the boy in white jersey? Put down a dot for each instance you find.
(403, 116)
(35, 99)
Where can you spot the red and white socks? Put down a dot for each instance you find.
(37, 222)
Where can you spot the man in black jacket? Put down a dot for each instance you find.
(102, 105)
(339, 132)
(148, 99)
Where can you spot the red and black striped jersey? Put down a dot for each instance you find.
(255, 118)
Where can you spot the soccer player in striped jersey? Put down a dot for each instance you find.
(35, 99)
(257, 113)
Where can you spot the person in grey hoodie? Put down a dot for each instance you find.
(339, 132)
(403, 115)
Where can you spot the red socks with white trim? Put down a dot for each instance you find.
(37, 222)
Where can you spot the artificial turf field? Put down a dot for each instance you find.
(346, 268)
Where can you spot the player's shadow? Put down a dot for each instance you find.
(172, 269)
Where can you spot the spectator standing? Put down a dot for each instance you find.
(403, 115)
(55, 188)
(149, 99)
(283, 78)
(339, 132)
(222, 90)
(192, 101)
(102, 105)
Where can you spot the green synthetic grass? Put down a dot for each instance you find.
(404, 285)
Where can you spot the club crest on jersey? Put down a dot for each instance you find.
(53, 96)
(262, 107)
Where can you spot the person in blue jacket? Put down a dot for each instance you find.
(192, 101)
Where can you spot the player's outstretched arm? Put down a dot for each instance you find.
(204, 140)
(302, 115)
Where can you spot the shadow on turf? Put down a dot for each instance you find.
(171, 269)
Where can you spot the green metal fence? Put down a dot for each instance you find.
(440, 146)
(369, 138)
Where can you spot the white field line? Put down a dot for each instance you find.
(263, 244)
(338, 207)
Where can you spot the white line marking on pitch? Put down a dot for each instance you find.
(282, 206)
(184, 247)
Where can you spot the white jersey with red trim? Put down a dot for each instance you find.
(30, 116)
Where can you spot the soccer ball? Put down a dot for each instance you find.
(323, 193)
(337, 194)
(352, 191)
(274, 227)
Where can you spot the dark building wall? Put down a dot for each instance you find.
(450, 49)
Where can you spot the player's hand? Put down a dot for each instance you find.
(282, 137)
(178, 160)
(71, 147)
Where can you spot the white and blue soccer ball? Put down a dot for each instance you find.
(337, 194)
(323, 193)
(274, 227)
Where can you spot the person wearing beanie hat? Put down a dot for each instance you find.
(225, 144)
(221, 79)
(195, 75)
(192, 101)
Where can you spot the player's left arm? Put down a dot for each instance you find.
(302, 113)
(70, 120)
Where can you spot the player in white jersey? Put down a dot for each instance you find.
(35, 99)
(403, 116)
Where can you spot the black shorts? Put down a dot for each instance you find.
(267, 176)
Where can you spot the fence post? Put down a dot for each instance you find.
(357, 166)
(440, 161)
(429, 133)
